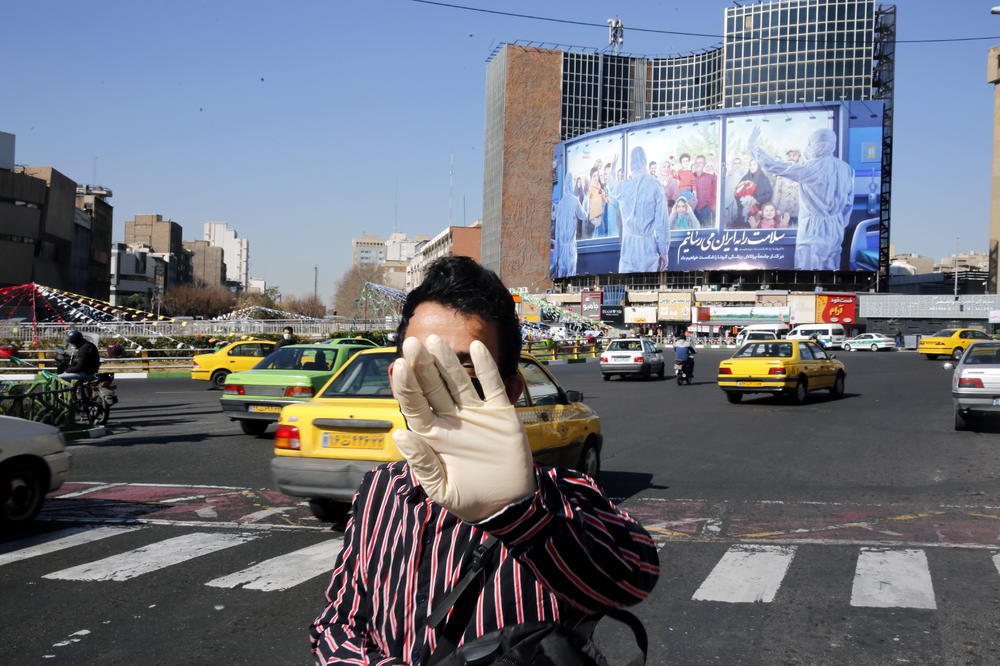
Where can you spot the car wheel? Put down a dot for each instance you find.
(961, 420)
(957, 353)
(662, 371)
(219, 378)
(931, 357)
(646, 372)
(837, 390)
(255, 428)
(329, 511)
(590, 460)
(734, 397)
(21, 492)
(801, 391)
(875, 348)
(847, 347)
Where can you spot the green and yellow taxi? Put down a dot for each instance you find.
(950, 342)
(293, 373)
(323, 448)
(234, 357)
(788, 367)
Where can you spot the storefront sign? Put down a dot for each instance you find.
(674, 307)
(590, 304)
(613, 314)
(836, 308)
(645, 314)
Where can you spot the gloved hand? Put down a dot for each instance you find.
(470, 454)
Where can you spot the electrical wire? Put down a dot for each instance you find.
(677, 32)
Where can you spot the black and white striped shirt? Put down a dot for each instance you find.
(565, 551)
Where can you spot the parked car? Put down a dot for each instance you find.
(949, 342)
(293, 373)
(357, 342)
(632, 356)
(975, 384)
(872, 341)
(233, 357)
(778, 330)
(324, 447)
(33, 461)
(790, 367)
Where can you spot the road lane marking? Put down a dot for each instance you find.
(996, 561)
(93, 489)
(892, 579)
(285, 571)
(44, 544)
(747, 573)
(128, 565)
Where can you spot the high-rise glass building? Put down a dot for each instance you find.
(785, 53)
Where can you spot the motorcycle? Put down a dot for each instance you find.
(683, 370)
(102, 385)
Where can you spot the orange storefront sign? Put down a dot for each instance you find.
(836, 308)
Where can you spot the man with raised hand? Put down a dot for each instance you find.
(566, 552)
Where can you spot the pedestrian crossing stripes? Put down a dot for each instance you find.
(126, 566)
(284, 571)
(743, 574)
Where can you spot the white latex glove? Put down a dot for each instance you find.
(471, 455)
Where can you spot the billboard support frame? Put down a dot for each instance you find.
(885, 58)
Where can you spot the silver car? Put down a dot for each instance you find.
(632, 356)
(975, 384)
(872, 341)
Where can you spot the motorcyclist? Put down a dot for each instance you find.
(85, 361)
(684, 353)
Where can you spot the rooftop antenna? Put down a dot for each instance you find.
(616, 35)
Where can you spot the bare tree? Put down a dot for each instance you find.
(188, 300)
(309, 306)
(351, 284)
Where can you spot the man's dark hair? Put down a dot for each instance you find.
(287, 328)
(463, 285)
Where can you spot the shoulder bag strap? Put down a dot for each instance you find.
(463, 599)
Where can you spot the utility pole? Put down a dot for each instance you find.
(955, 269)
(451, 183)
(316, 282)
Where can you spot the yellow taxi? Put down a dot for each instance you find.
(950, 342)
(234, 357)
(323, 448)
(789, 367)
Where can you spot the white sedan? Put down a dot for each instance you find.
(33, 461)
(872, 341)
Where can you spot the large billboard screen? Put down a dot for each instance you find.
(768, 188)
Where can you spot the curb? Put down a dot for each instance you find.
(89, 433)
(564, 361)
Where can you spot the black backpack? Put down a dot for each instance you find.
(526, 644)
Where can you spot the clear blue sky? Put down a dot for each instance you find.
(296, 121)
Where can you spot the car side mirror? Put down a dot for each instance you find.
(948, 365)
(574, 396)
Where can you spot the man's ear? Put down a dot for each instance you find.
(514, 386)
(391, 366)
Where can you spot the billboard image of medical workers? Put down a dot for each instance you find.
(584, 210)
(774, 188)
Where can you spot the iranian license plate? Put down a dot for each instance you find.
(264, 409)
(352, 441)
(625, 358)
(996, 402)
(748, 383)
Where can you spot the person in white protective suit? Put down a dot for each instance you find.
(568, 211)
(826, 195)
(643, 208)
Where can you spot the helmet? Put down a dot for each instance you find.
(74, 337)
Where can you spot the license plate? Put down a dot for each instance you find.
(264, 409)
(621, 358)
(352, 441)
(996, 402)
(748, 383)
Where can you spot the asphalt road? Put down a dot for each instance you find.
(860, 530)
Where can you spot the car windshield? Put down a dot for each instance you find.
(298, 358)
(946, 333)
(625, 345)
(765, 350)
(364, 376)
(983, 354)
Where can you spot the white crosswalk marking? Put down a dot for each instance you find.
(152, 557)
(996, 561)
(892, 579)
(747, 573)
(23, 549)
(284, 571)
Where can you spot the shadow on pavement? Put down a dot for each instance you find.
(622, 485)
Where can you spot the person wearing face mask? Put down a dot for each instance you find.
(287, 338)
(826, 195)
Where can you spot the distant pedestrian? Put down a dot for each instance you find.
(899, 339)
(287, 338)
